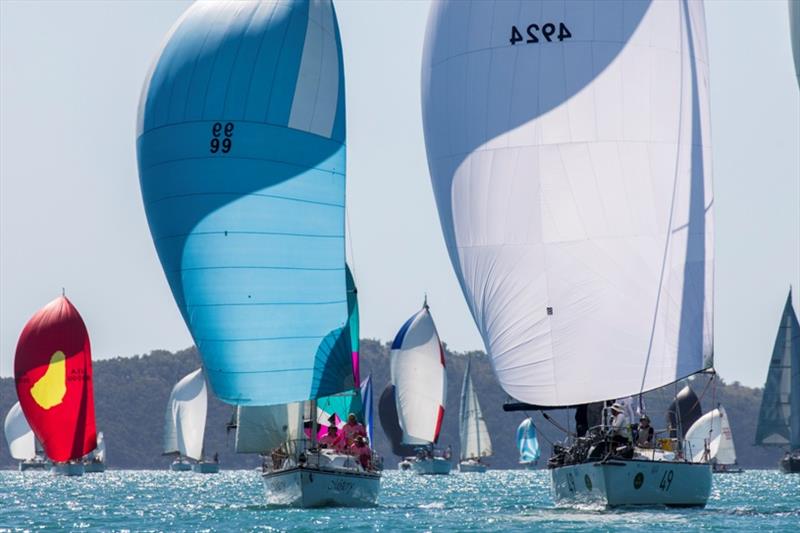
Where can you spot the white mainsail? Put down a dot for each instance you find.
(419, 377)
(19, 435)
(264, 428)
(185, 420)
(475, 441)
(711, 430)
(100, 452)
(569, 150)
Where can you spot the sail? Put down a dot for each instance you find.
(387, 412)
(569, 152)
(475, 441)
(684, 411)
(366, 399)
(353, 323)
(19, 435)
(261, 429)
(185, 419)
(419, 377)
(711, 430)
(794, 34)
(53, 374)
(241, 155)
(99, 453)
(779, 416)
(527, 443)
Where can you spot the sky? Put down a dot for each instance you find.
(71, 213)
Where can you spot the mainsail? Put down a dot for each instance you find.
(387, 412)
(19, 435)
(711, 432)
(185, 419)
(261, 429)
(527, 443)
(419, 378)
(99, 453)
(779, 416)
(241, 155)
(684, 411)
(53, 374)
(569, 150)
(475, 441)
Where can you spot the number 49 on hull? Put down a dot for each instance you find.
(619, 482)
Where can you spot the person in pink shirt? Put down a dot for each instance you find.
(362, 452)
(332, 440)
(352, 429)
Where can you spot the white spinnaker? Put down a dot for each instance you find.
(19, 435)
(571, 178)
(185, 420)
(100, 451)
(475, 441)
(713, 429)
(420, 380)
(262, 429)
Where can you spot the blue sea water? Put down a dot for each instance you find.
(496, 501)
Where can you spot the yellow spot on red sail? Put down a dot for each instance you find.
(50, 389)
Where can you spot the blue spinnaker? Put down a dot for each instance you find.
(241, 151)
(527, 443)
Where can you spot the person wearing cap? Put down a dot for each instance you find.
(644, 433)
(620, 425)
(362, 452)
(332, 440)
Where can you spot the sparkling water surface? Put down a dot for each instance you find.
(496, 501)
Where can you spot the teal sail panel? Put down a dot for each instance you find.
(241, 154)
(779, 416)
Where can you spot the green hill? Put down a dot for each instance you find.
(131, 394)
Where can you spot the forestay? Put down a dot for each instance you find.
(569, 150)
(185, 419)
(779, 416)
(475, 441)
(419, 378)
(19, 435)
(714, 431)
(241, 154)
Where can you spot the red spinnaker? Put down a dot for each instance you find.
(53, 374)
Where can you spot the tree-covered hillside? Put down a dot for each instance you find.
(131, 395)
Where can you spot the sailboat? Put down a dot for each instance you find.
(527, 443)
(96, 460)
(779, 416)
(185, 425)
(21, 442)
(569, 150)
(475, 441)
(420, 388)
(241, 140)
(53, 375)
(710, 440)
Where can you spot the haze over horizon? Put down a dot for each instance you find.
(71, 213)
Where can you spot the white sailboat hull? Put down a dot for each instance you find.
(434, 466)
(471, 465)
(205, 468)
(312, 487)
(180, 466)
(633, 482)
(67, 469)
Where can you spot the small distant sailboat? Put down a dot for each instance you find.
(710, 440)
(53, 374)
(95, 462)
(527, 443)
(779, 416)
(185, 425)
(420, 387)
(21, 441)
(475, 441)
